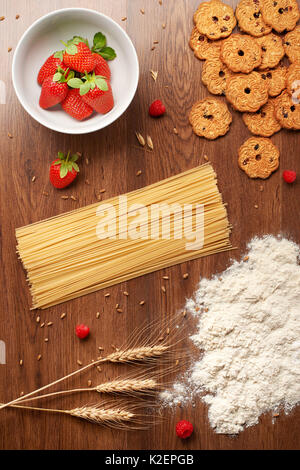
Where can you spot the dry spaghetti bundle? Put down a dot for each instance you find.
(145, 230)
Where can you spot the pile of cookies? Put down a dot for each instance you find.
(247, 69)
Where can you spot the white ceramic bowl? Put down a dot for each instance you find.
(43, 38)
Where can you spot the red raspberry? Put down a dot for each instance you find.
(82, 331)
(157, 109)
(184, 429)
(289, 176)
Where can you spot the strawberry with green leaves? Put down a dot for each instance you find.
(101, 67)
(100, 47)
(95, 91)
(77, 55)
(49, 68)
(102, 53)
(63, 170)
(55, 88)
(74, 105)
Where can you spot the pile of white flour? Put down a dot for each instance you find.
(249, 333)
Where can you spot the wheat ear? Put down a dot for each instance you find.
(95, 414)
(150, 351)
(129, 386)
(141, 354)
(145, 353)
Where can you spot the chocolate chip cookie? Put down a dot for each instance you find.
(275, 79)
(248, 14)
(241, 53)
(287, 111)
(263, 122)
(215, 19)
(210, 118)
(258, 157)
(247, 92)
(291, 44)
(282, 15)
(293, 78)
(272, 50)
(215, 75)
(203, 47)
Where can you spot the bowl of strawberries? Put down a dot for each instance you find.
(75, 71)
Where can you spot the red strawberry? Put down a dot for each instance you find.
(54, 90)
(289, 176)
(82, 331)
(101, 101)
(74, 105)
(95, 91)
(184, 429)
(78, 55)
(63, 170)
(157, 109)
(102, 67)
(50, 68)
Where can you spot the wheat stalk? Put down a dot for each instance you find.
(129, 386)
(145, 353)
(148, 351)
(103, 415)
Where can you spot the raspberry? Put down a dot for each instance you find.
(82, 331)
(157, 109)
(289, 176)
(184, 429)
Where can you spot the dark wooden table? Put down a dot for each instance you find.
(114, 158)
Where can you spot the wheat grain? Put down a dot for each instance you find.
(150, 142)
(154, 74)
(140, 139)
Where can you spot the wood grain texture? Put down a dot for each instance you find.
(114, 159)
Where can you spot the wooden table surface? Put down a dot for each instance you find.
(114, 158)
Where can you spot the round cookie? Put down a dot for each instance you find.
(203, 47)
(291, 44)
(293, 78)
(275, 79)
(241, 53)
(247, 92)
(215, 19)
(215, 75)
(263, 122)
(287, 112)
(282, 15)
(210, 118)
(272, 50)
(258, 157)
(248, 14)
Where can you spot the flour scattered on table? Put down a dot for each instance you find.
(249, 333)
